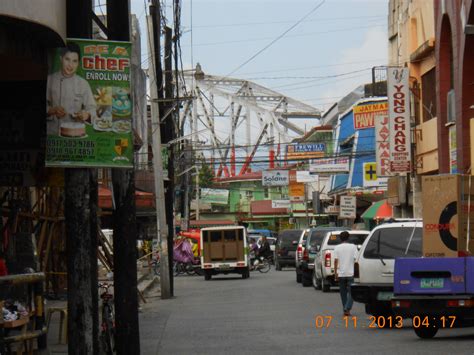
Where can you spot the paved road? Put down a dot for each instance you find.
(272, 314)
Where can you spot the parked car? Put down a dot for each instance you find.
(299, 253)
(285, 249)
(373, 285)
(324, 259)
(313, 244)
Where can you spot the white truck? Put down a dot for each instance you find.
(224, 250)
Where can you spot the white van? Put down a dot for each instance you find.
(224, 250)
(374, 268)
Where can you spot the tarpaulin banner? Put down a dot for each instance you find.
(89, 107)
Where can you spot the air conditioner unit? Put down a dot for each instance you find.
(451, 107)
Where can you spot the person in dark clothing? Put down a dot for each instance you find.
(265, 250)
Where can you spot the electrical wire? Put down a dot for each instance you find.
(327, 19)
(246, 41)
(277, 38)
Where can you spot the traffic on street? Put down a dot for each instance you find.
(273, 314)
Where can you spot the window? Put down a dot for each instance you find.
(428, 87)
(357, 239)
(389, 243)
(216, 236)
(265, 192)
(229, 235)
(317, 238)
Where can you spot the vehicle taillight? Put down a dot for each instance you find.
(298, 251)
(356, 270)
(305, 255)
(401, 304)
(327, 259)
(460, 303)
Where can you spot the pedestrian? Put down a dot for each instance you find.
(344, 258)
(69, 97)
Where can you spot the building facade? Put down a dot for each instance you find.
(454, 23)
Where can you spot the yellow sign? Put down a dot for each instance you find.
(370, 171)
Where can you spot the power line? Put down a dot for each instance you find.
(308, 77)
(276, 39)
(327, 19)
(292, 36)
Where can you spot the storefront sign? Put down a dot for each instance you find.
(370, 178)
(214, 196)
(305, 150)
(382, 144)
(347, 207)
(305, 176)
(330, 165)
(296, 190)
(399, 116)
(275, 178)
(89, 106)
(281, 204)
(364, 114)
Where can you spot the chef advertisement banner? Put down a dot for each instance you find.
(89, 107)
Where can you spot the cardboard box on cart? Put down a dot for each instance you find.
(446, 219)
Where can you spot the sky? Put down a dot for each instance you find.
(318, 61)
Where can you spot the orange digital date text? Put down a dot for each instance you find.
(380, 322)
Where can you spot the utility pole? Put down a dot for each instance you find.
(156, 76)
(167, 136)
(197, 193)
(81, 250)
(127, 336)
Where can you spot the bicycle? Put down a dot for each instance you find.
(261, 264)
(107, 336)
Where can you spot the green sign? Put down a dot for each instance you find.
(432, 283)
(215, 196)
(89, 106)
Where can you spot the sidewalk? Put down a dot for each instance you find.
(148, 343)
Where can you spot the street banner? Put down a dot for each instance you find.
(330, 165)
(382, 144)
(347, 207)
(370, 178)
(281, 204)
(296, 189)
(399, 116)
(305, 151)
(89, 107)
(214, 196)
(364, 114)
(275, 178)
(305, 176)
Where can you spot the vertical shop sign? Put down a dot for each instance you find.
(382, 144)
(89, 107)
(399, 116)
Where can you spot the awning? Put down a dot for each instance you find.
(142, 199)
(379, 209)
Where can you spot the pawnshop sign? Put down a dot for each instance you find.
(399, 116)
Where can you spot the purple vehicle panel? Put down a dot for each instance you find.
(430, 276)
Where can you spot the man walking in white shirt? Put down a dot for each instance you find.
(345, 255)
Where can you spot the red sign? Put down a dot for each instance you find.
(364, 114)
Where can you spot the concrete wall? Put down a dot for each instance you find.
(48, 13)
